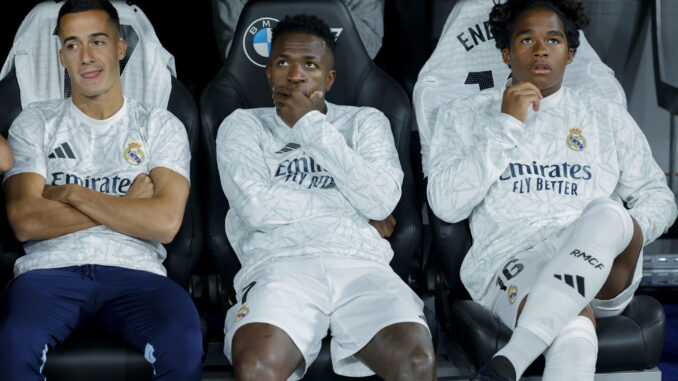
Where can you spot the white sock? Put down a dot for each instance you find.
(521, 348)
(572, 355)
(575, 274)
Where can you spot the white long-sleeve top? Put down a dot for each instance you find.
(308, 190)
(466, 61)
(522, 182)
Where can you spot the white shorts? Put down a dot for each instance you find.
(516, 277)
(353, 298)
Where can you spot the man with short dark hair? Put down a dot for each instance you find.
(303, 180)
(99, 182)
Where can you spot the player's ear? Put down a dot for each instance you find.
(330, 80)
(570, 56)
(506, 56)
(122, 49)
(61, 58)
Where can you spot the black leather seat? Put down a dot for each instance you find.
(632, 341)
(96, 354)
(91, 353)
(629, 342)
(242, 84)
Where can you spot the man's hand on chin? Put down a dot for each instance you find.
(291, 104)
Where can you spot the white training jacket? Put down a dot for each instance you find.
(467, 61)
(59, 142)
(308, 190)
(522, 182)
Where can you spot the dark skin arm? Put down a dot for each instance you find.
(385, 227)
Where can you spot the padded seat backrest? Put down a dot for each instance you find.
(241, 83)
(145, 71)
(184, 250)
(467, 61)
(664, 57)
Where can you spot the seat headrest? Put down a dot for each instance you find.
(146, 70)
(467, 61)
(252, 42)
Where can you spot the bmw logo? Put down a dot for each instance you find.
(257, 40)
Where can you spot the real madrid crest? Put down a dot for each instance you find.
(512, 293)
(256, 41)
(575, 140)
(134, 154)
(242, 312)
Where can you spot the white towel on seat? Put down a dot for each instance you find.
(467, 61)
(148, 67)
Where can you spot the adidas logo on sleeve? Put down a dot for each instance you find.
(64, 151)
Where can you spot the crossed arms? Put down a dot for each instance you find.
(37, 212)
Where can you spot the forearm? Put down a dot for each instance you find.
(461, 173)
(369, 176)
(145, 218)
(265, 207)
(39, 218)
(642, 183)
(654, 208)
(261, 202)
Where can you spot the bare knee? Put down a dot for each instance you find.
(421, 363)
(416, 360)
(250, 366)
(402, 352)
(263, 352)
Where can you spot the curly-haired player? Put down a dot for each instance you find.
(546, 174)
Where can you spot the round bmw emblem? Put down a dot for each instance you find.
(257, 40)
